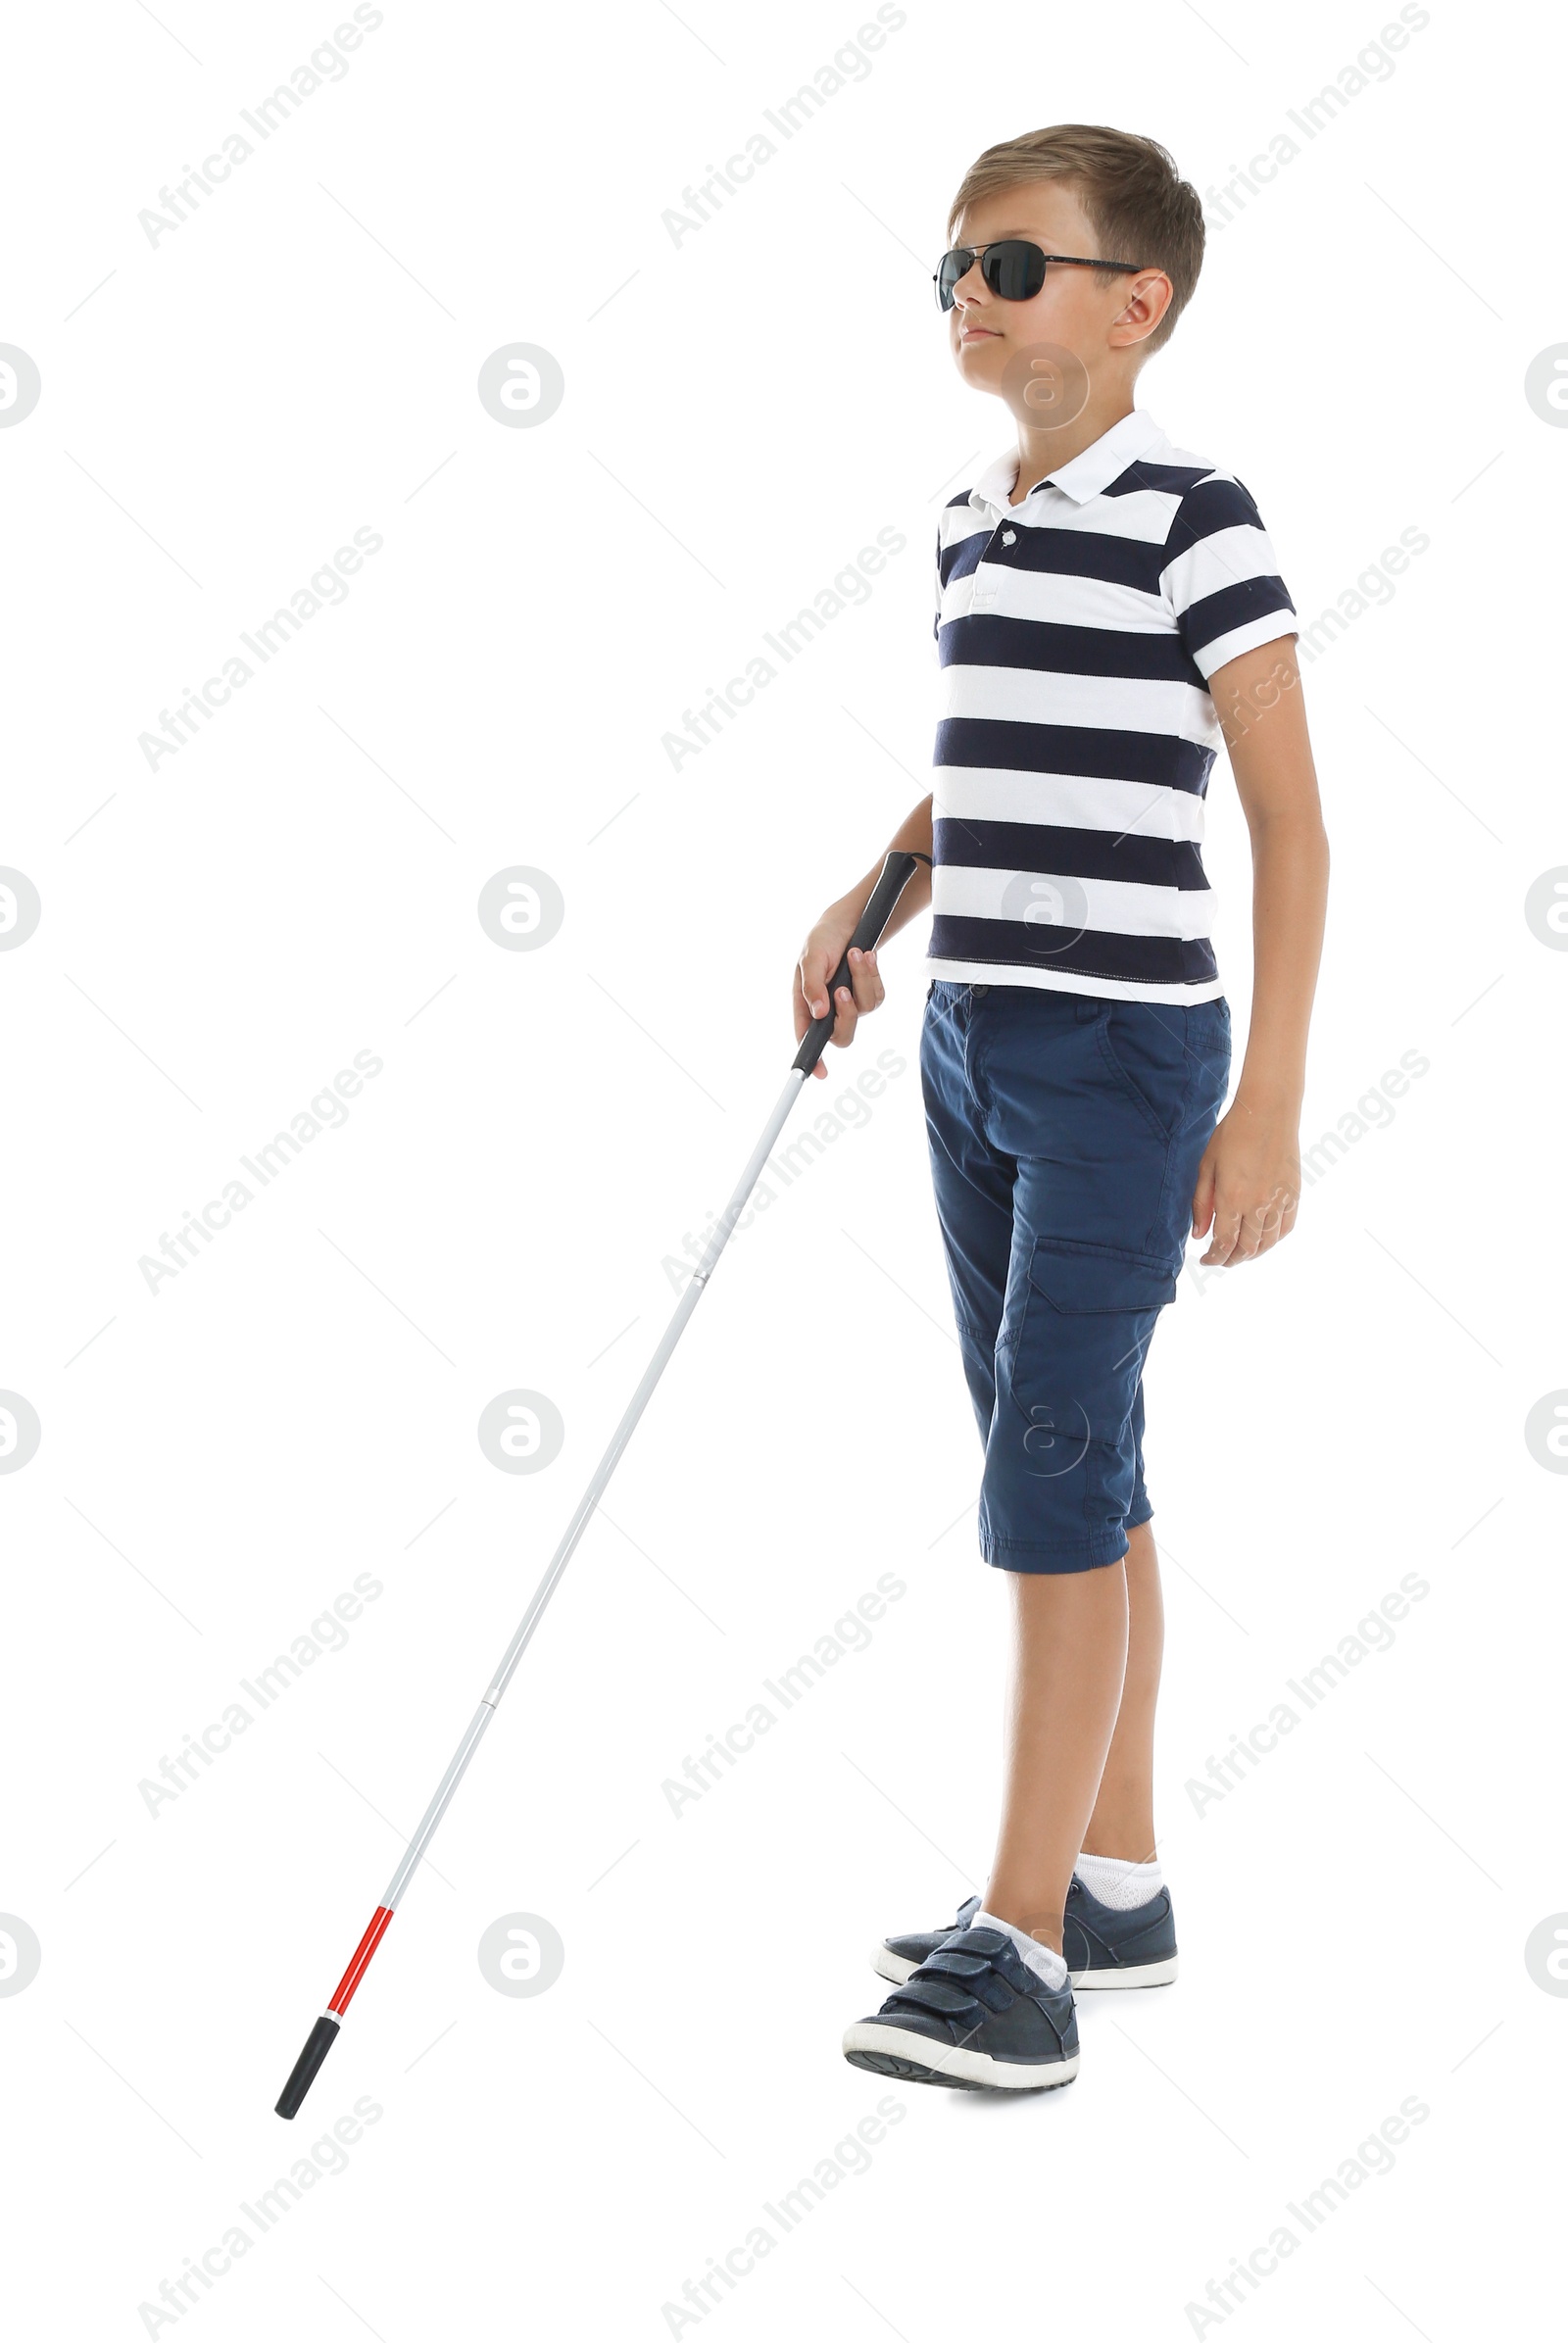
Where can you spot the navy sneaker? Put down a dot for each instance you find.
(973, 2016)
(1104, 1947)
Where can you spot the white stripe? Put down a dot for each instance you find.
(1048, 901)
(963, 522)
(1275, 628)
(1096, 703)
(1055, 601)
(1067, 980)
(1227, 558)
(1067, 800)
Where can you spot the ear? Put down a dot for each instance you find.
(1151, 296)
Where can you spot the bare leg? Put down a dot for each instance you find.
(1123, 1821)
(1070, 1655)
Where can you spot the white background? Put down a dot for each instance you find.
(744, 410)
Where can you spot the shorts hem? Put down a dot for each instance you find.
(1058, 1560)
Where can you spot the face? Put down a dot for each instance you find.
(1074, 309)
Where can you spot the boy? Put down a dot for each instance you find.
(1107, 608)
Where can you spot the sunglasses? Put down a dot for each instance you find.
(1014, 270)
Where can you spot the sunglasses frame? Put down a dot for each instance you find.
(1048, 259)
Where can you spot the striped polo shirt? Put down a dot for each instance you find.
(1077, 633)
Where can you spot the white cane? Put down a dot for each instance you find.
(897, 871)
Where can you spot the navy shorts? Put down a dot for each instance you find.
(1066, 1132)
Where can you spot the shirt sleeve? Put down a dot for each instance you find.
(1221, 578)
(936, 624)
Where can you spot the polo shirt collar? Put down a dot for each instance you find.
(1087, 475)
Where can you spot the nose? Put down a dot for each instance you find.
(971, 286)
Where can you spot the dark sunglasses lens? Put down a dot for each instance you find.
(955, 264)
(1014, 272)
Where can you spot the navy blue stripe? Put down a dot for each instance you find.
(1068, 853)
(964, 559)
(1213, 504)
(1063, 553)
(1158, 758)
(1168, 479)
(1216, 615)
(1005, 943)
(986, 640)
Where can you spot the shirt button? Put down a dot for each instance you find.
(1009, 536)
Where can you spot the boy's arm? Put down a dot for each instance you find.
(1250, 1180)
(825, 947)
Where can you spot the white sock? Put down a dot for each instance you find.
(1120, 1884)
(1040, 1957)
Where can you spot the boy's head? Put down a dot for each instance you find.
(1087, 193)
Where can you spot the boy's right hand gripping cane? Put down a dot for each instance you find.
(897, 872)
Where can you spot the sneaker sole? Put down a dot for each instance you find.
(1083, 1981)
(1101, 1981)
(914, 2057)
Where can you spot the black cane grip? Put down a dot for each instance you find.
(323, 2033)
(897, 872)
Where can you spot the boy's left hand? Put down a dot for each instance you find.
(1248, 1184)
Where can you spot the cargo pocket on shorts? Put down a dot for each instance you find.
(1089, 1315)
